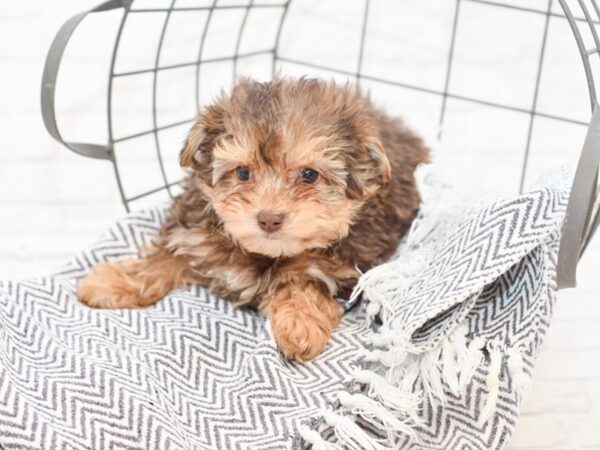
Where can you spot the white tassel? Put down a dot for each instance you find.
(350, 434)
(450, 363)
(402, 402)
(373, 309)
(388, 281)
(459, 359)
(376, 414)
(381, 339)
(431, 376)
(492, 382)
(406, 376)
(315, 439)
(391, 358)
(459, 337)
(516, 368)
(472, 360)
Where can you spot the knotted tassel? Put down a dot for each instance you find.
(376, 302)
(402, 402)
(381, 338)
(492, 381)
(516, 368)
(430, 373)
(390, 358)
(375, 414)
(350, 434)
(450, 363)
(315, 439)
(472, 360)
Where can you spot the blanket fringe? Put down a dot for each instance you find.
(516, 367)
(376, 414)
(350, 434)
(392, 400)
(473, 359)
(391, 397)
(409, 258)
(452, 362)
(392, 403)
(316, 441)
(492, 382)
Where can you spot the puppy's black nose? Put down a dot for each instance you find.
(269, 221)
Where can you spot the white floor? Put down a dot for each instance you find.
(53, 202)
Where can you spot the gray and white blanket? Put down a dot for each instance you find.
(437, 356)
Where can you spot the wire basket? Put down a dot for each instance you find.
(215, 41)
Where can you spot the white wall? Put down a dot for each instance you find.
(53, 202)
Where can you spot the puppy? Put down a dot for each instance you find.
(295, 186)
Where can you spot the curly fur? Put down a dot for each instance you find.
(350, 219)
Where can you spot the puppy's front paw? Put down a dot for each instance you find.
(302, 322)
(111, 286)
(298, 336)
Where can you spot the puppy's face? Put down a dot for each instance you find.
(287, 164)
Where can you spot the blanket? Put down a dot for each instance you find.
(437, 355)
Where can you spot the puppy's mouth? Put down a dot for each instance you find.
(272, 244)
(273, 235)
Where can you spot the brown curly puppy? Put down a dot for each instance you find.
(295, 186)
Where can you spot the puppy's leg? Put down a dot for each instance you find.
(302, 319)
(133, 283)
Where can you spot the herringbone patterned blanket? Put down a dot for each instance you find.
(437, 356)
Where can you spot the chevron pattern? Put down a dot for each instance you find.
(490, 265)
(192, 372)
(513, 311)
(472, 246)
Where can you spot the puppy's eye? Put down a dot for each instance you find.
(243, 173)
(309, 175)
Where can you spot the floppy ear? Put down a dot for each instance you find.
(369, 169)
(192, 144)
(379, 159)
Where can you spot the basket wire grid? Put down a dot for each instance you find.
(582, 16)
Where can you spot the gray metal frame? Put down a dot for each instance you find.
(581, 220)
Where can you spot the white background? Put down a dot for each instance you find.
(53, 202)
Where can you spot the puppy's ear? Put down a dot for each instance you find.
(192, 143)
(379, 160)
(369, 169)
